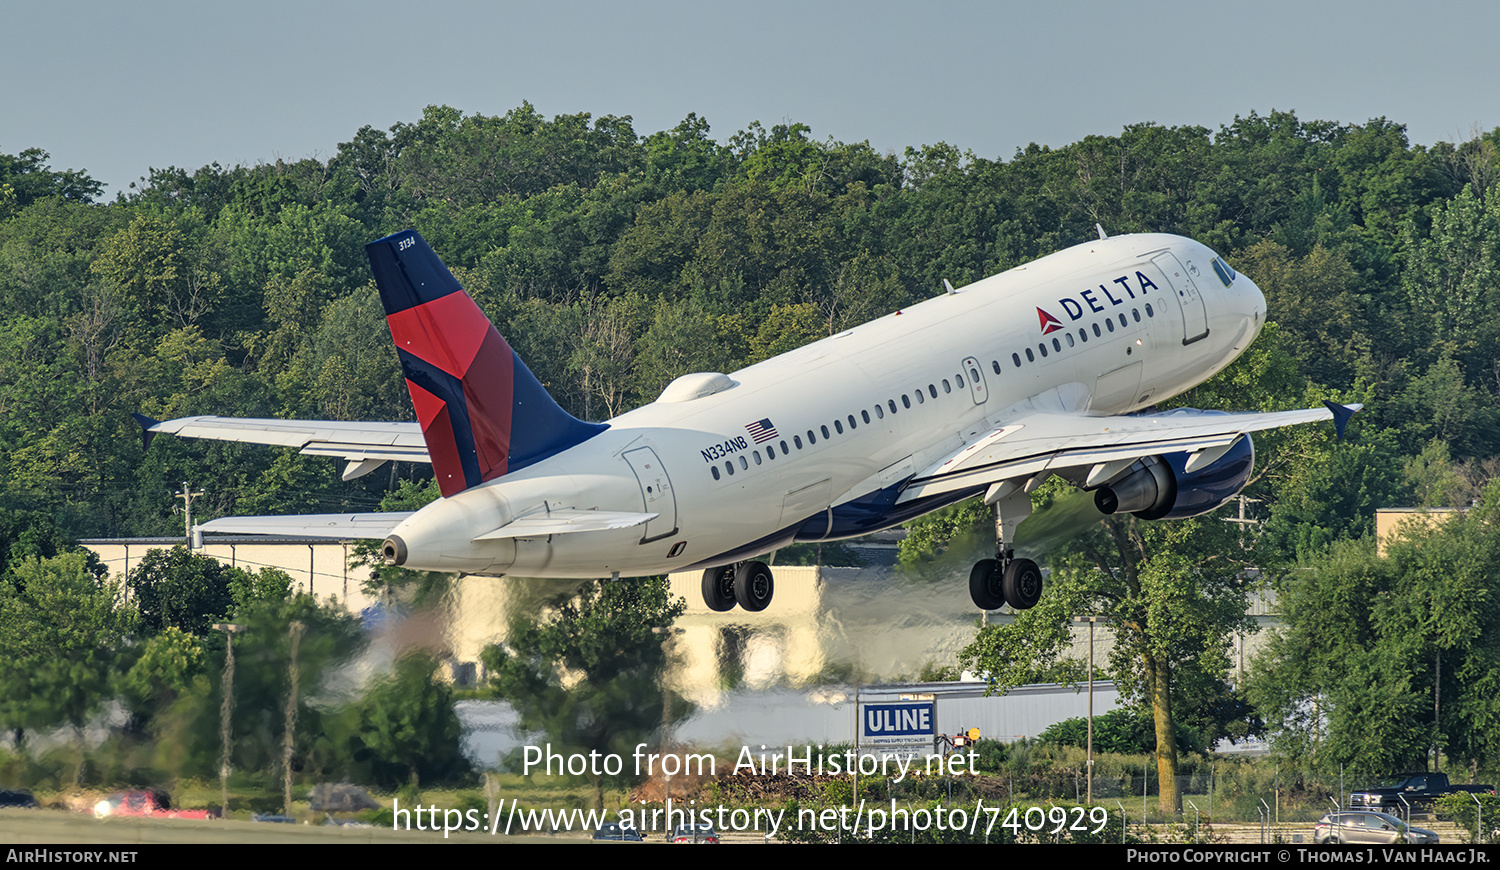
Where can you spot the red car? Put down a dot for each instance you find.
(150, 802)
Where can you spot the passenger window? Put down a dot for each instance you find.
(865, 415)
(920, 396)
(743, 463)
(905, 400)
(1149, 312)
(946, 387)
(959, 379)
(892, 403)
(1056, 345)
(1083, 334)
(715, 470)
(729, 467)
(1096, 330)
(1136, 313)
(825, 432)
(932, 388)
(852, 424)
(1043, 349)
(879, 412)
(797, 440)
(770, 451)
(811, 438)
(1109, 323)
(1016, 358)
(1030, 357)
(785, 451)
(996, 365)
(756, 456)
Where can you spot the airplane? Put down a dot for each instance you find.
(988, 389)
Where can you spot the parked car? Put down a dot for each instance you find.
(1366, 826)
(1413, 788)
(146, 802)
(19, 798)
(616, 832)
(695, 834)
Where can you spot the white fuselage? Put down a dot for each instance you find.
(857, 414)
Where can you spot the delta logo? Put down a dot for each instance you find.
(1092, 303)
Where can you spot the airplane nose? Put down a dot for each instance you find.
(1257, 304)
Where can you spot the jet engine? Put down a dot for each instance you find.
(1161, 487)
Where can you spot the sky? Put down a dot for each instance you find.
(118, 88)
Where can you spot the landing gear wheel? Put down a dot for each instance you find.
(1022, 584)
(753, 586)
(718, 588)
(984, 585)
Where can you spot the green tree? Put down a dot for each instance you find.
(28, 178)
(178, 588)
(165, 669)
(330, 637)
(1175, 595)
(588, 674)
(1451, 275)
(1384, 658)
(1311, 299)
(408, 727)
(62, 627)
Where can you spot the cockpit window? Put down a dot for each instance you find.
(1226, 274)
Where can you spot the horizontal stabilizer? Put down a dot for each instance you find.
(356, 442)
(336, 526)
(562, 522)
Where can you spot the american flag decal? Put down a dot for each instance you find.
(761, 430)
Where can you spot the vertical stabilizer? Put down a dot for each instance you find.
(483, 413)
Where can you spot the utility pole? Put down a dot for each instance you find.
(225, 738)
(667, 634)
(1089, 764)
(1243, 521)
(291, 723)
(187, 495)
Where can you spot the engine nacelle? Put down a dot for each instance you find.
(1160, 487)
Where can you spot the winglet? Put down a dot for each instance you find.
(146, 434)
(1341, 415)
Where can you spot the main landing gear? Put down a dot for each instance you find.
(1006, 579)
(748, 584)
(1017, 582)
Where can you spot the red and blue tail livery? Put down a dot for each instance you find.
(483, 413)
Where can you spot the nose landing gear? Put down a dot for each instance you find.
(1006, 579)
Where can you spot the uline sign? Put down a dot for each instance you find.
(898, 723)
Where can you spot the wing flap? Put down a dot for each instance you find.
(1038, 443)
(567, 521)
(336, 526)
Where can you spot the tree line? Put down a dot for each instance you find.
(615, 261)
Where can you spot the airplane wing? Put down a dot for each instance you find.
(337, 526)
(366, 446)
(1037, 444)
